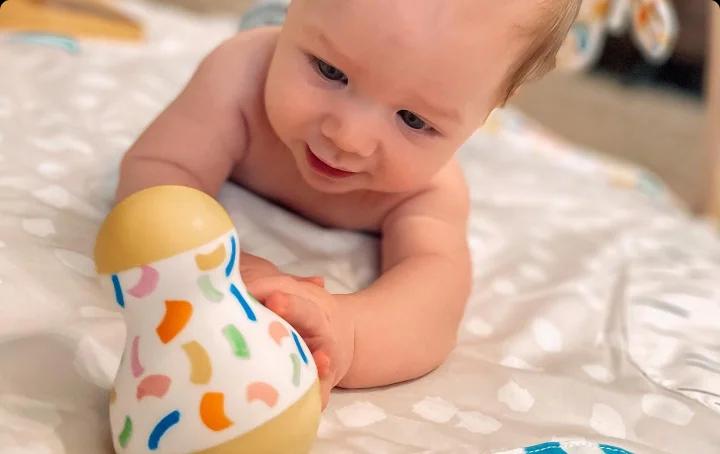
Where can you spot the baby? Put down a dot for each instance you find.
(350, 114)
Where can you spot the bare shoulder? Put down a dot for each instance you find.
(432, 221)
(236, 69)
(445, 198)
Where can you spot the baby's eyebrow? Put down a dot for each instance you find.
(339, 58)
(426, 106)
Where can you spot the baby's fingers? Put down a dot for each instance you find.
(303, 315)
(317, 280)
(326, 374)
(262, 288)
(322, 362)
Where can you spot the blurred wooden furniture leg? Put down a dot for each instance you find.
(713, 112)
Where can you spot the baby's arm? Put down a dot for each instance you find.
(200, 137)
(406, 322)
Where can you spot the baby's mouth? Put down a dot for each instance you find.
(324, 168)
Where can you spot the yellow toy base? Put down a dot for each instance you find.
(293, 432)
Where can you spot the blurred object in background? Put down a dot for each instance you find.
(652, 24)
(210, 6)
(628, 107)
(713, 116)
(264, 13)
(69, 18)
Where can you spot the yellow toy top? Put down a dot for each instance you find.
(155, 224)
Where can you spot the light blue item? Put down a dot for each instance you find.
(66, 43)
(569, 447)
(264, 13)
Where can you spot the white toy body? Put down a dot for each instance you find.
(206, 366)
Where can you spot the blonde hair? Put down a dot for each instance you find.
(540, 56)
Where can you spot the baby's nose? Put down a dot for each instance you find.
(350, 135)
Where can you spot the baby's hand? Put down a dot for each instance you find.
(253, 268)
(313, 311)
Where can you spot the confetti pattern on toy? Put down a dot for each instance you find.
(299, 347)
(208, 290)
(278, 332)
(237, 342)
(207, 262)
(118, 291)
(233, 253)
(161, 428)
(262, 392)
(199, 320)
(135, 366)
(126, 433)
(177, 315)
(153, 386)
(243, 302)
(149, 278)
(296, 369)
(212, 412)
(200, 367)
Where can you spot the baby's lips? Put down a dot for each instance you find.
(158, 223)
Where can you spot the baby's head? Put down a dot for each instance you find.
(378, 95)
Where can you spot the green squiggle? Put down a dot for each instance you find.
(208, 290)
(296, 369)
(126, 433)
(237, 341)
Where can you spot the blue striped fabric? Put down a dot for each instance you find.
(607, 449)
(546, 448)
(569, 447)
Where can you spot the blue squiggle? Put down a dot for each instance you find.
(233, 251)
(118, 291)
(160, 428)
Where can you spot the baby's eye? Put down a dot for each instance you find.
(412, 120)
(330, 72)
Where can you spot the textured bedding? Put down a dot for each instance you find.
(593, 318)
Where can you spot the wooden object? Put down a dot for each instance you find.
(74, 18)
(713, 111)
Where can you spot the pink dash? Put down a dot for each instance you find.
(146, 285)
(153, 385)
(262, 392)
(278, 332)
(137, 368)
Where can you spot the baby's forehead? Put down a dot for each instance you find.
(434, 25)
(454, 49)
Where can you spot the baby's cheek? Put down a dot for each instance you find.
(402, 176)
(417, 170)
(289, 105)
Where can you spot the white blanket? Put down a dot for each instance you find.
(593, 316)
